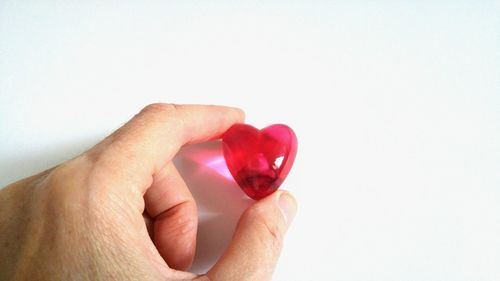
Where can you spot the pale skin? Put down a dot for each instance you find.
(121, 211)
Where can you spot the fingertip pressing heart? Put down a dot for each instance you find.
(259, 160)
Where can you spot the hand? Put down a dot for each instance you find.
(121, 211)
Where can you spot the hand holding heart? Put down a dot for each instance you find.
(121, 211)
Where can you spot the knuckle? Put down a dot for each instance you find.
(160, 108)
(182, 218)
(156, 115)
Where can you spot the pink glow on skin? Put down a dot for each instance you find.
(210, 157)
(218, 164)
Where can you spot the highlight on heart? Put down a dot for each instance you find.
(259, 160)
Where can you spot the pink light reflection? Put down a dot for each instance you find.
(210, 156)
(218, 164)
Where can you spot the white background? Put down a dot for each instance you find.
(396, 105)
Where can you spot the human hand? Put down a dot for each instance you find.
(121, 211)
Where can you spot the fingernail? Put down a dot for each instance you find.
(288, 206)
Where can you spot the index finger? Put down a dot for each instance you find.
(146, 143)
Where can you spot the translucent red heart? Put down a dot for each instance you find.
(259, 160)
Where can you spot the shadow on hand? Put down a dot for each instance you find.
(220, 201)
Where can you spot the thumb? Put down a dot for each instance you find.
(257, 241)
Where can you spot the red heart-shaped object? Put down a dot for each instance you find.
(259, 160)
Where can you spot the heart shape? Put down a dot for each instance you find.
(259, 160)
